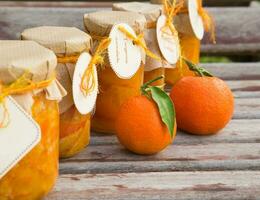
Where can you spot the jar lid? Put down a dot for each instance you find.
(100, 23)
(61, 40)
(17, 56)
(150, 11)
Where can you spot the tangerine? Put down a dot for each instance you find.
(140, 128)
(204, 105)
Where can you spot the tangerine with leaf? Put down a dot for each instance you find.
(204, 104)
(146, 124)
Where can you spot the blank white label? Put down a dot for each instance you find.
(18, 138)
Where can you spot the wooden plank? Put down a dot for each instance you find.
(104, 3)
(226, 2)
(61, 4)
(247, 108)
(199, 157)
(245, 89)
(233, 36)
(240, 88)
(97, 167)
(234, 71)
(196, 152)
(227, 185)
(237, 131)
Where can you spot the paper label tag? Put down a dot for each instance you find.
(195, 19)
(168, 43)
(84, 102)
(124, 57)
(18, 138)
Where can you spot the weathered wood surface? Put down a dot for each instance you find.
(235, 71)
(226, 2)
(225, 166)
(233, 36)
(237, 131)
(222, 166)
(210, 157)
(104, 3)
(228, 185)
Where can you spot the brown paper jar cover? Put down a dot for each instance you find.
(66, 41)
(100, 23)
(113, 90)
(35, 174)
(63, 41)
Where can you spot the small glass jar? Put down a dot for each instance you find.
(35, 174)
(190, 50)
(190, 44)
(67, 43)
(152, 68)
(113, 90)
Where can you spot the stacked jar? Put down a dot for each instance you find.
(67, 43)
(35, 174)
(114, 90)
(153, 68)
(190, 28)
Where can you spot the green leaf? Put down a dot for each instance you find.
(166, 107)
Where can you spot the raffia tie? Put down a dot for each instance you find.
(88, 83)
(22, 85)
(208, 22)
(171, 9)
(139, 41)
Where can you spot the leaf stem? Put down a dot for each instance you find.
(145, 86)
(153, 80)
(200, 71)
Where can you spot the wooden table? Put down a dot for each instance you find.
(223, 166)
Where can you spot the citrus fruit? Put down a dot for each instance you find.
(204, 105)
(140, 124)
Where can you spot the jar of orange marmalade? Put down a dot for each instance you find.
(35, 174)
(67, 43)
(190, 29)
(153, 68)
(113, 90)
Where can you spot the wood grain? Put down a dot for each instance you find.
(240, 88)
(226, 2)
(228, 185)
(234, 36)
(199, 152)
(237, 131)
(235, 71)
(199, 157)
(104, 3)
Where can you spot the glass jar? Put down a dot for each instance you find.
(190, 46)
(74, 126)
(150, 75)
(34, 176)
(74, 132)
(152, 68)
(113, 91)
(190, 50)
